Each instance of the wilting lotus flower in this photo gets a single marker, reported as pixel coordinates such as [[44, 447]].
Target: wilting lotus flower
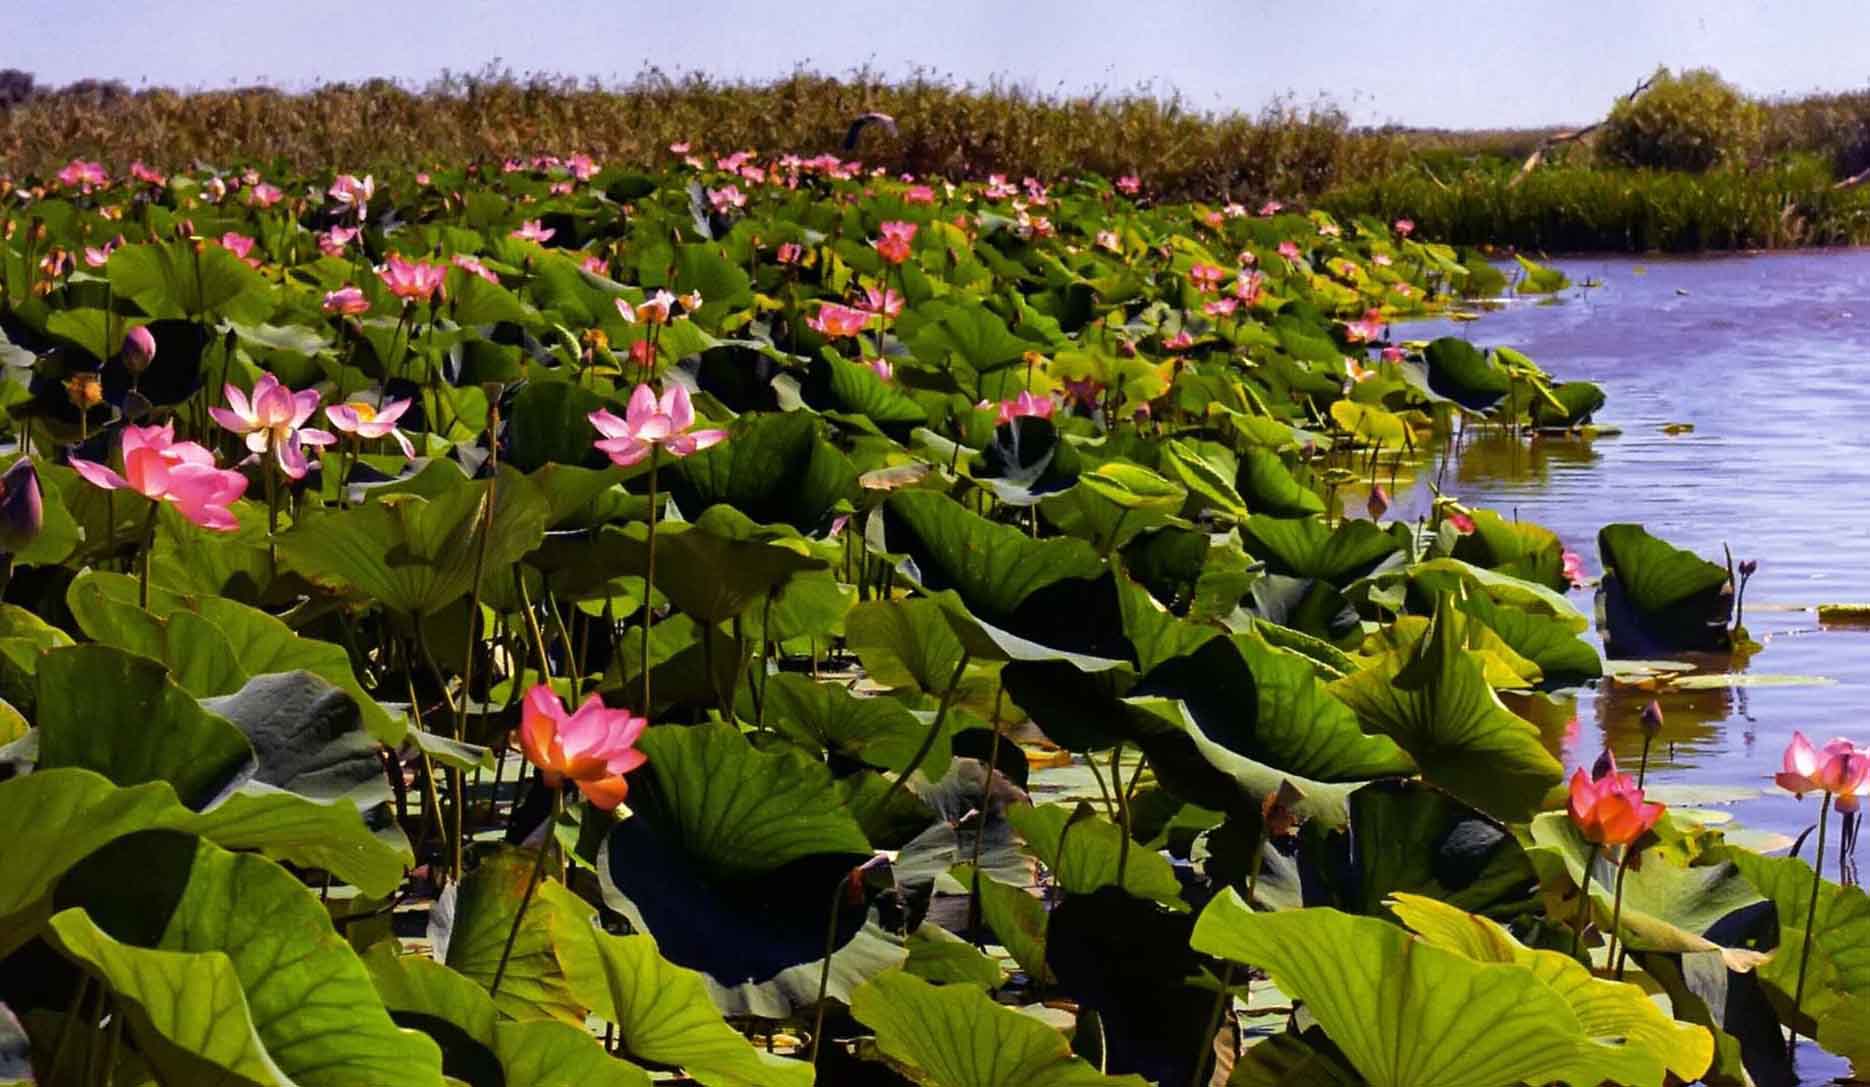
[[648, 422], [532, 231], [22, 507], [274, 419], [893, 245], [1129, 184], [1206, 277], [1610, 810], [883, 303], [183, 474], [347, 190], [346, 302], [1026, 404], [412, 281], [837, 321], [139, 349], [593, 746], [654, 310], [368, 420], [1405, 227]]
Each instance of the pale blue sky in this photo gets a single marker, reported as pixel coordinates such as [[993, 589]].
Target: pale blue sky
[[1471, 63]]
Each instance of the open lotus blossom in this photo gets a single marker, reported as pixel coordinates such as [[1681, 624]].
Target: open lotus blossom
[[1393, 353], [473, 266], [1271, 207], [789, 253], [884, 303], [182, 474], [893, 245], [1206, 277], [241, 246], [1838, 768], [1405, 227], [353, 193], [648, 422], [367, 420], [1290, 251], [1365, 329], [918, 194], [532, 231], [96, 256], [725, 197], [654, 310], [595, 265], [264, 195], [146, 175], [1572, 567], [881, 367], [1609, 809], [412, 280], [1129, 184], [593, 746], [332, 242], [346, 302], [1221, 307], [1025, 404], [83, 175], [837, 321], [1181, 341], [274, 418]]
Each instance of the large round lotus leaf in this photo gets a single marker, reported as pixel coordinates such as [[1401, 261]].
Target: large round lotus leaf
[[775, 469], [1657, 599], [194, 945], [956, 1036]]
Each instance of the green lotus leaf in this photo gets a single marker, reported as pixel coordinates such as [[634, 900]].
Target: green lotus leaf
[[469, 930], [1463, 373], [1083, 851], [1435, 702], [194, 944], [992, 567], [1656, 598], [1632, 1041], [547, 424], [956, 1036], [939, 956], [1544, 641], [774, 468], [1270, 487], [1016, 917], [879, 731], [663, 1013], [189, 279], [1447, 574], [1203, 478], [1305, 547], [1133, 487], [856, 388], [1839, 970]]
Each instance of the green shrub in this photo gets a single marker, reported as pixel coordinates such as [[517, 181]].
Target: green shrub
[[1693, 121]]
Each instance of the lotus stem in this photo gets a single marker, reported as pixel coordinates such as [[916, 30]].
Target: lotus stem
[[1616, 911], [824, 974], [1642, 765], [1123, 812], [480, 565], [1584, 904], [1214, 1024], [532, 884], [1811, 917], [649, 573], [149, 545], [766, 642], [455, 831], [532, 625], [928, 741], [980, 829]]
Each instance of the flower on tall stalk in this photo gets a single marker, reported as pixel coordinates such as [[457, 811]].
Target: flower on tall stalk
[[273, 419], [352, 193], [264, 195], [346, 301], [1838, 768], [241, 246], [1405, 227], [1025, 405], [1609, 809], [533, 231], [893, 245], [1290, 251], [412, 280], [1572, 569], [837, 321], [648, 422], [367, 420], [22, 507], [473, 266], [182, 474], [139, 349], [593, 746]]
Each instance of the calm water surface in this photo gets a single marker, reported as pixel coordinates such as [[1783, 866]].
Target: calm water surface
[[1768, 357]]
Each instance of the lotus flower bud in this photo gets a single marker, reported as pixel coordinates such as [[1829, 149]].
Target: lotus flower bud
[[1379, 503], [1605, 766], [22, 507], [1748, 567], [139, 349], [1652, 718]]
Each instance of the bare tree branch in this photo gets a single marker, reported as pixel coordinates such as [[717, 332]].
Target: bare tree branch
[[1538, 155]]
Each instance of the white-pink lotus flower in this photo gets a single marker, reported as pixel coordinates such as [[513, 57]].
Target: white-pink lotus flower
[[274, 419], [648, 422], [367, 420]]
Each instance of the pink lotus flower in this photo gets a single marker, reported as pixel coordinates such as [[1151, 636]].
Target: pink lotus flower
[[582, 166], [727, 196], [139, 349], [918, 194], [1290, 251], [654, 310], [1212, 220], [1181, 341], [532, 231], [98, 256], [1221, 307], [240, 245], [274, 420], [1206, 277], [1129, 184], [352, 193], [1392, 353], [648, 422], [332, 242], [679, 148], [997, 187], [893, 246], [881, 367], [263, 195], [1610, 809], [789, 253], [1025, 405], [1572, 565], [883, 303], [1462, 523], [368, 420], [1107, 239], [412, 281], [1247, 288], [346, 302], [473, 266], [1381, 260], [595, 265], [182, 474], [1366, 329], [146, 175], [1839, 768], [1271, 207], [1379, 502], [1405, 227], [83, 175], [837, 321], [593, 746]]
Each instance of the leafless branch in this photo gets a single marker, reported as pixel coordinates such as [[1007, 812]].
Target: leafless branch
[[1538, 155]]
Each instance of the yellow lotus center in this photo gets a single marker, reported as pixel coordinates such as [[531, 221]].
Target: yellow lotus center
[[365, 413]]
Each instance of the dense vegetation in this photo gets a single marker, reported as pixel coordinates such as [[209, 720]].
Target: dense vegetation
[[566, 623]]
